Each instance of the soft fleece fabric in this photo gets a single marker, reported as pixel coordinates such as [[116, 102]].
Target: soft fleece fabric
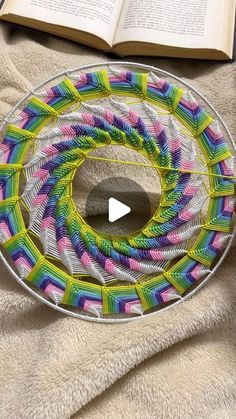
[[181, 364]]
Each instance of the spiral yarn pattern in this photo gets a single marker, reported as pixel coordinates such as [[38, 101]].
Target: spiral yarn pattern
[[48, 142]]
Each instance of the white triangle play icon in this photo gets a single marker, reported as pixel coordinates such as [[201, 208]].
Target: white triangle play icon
[[117, 210]]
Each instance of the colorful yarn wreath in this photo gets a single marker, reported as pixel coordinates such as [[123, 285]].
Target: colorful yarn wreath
[[53, 136]]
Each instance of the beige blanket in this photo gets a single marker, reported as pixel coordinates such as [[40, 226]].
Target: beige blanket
[[180, 364]]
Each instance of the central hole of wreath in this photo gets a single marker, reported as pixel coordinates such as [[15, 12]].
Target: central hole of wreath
[[137, 187]]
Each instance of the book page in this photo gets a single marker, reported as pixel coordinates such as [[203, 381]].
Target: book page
[[99, 17], [178, 23]]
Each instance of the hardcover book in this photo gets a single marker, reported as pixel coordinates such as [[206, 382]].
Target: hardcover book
[[181, 28]]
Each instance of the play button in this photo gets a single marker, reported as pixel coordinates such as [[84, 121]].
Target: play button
[[117, 206], [117, 210]]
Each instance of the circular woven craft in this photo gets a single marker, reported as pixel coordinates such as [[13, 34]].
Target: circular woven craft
[[64, 261]]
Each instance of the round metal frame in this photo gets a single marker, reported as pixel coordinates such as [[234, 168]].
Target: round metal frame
[[188, 294]]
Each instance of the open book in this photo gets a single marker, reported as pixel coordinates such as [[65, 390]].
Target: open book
[[177, 28]]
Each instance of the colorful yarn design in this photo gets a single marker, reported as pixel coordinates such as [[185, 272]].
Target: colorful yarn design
[[52, 137]]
